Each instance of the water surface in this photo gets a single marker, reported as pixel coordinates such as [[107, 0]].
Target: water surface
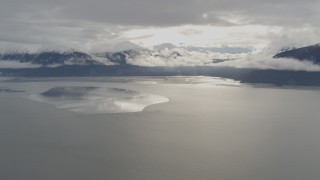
[[205, 131]]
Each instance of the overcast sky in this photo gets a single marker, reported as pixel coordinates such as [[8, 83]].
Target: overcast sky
[[97, 24]]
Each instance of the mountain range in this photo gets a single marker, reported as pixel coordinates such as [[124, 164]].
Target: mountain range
[[164, 60], [126, 53], [48, 58], [160, 55]]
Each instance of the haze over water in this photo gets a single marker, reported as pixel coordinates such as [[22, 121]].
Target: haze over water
[[210, 129]]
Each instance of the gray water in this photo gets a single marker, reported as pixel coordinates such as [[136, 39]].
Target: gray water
[[208, 130]]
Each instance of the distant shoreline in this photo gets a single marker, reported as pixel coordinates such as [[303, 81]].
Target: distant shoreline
[[256, 76]]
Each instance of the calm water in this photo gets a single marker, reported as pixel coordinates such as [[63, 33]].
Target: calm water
[[209, 129]]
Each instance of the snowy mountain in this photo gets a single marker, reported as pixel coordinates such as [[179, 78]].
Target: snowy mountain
[[168, 57], [125, 53], [167, 60]]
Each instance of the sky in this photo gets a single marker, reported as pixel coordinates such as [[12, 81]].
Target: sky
[[96, 25]]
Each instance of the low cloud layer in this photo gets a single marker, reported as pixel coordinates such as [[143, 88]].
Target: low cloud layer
[[267, 62], [179, 57]]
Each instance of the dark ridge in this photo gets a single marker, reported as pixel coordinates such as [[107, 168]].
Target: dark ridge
[[49, 58], [308, 53]]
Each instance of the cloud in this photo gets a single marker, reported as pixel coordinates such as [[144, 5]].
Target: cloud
[[288, 38], [79, 35], [178, 57], [183, 57], [263, 61], [96, 24], [167, 12]]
